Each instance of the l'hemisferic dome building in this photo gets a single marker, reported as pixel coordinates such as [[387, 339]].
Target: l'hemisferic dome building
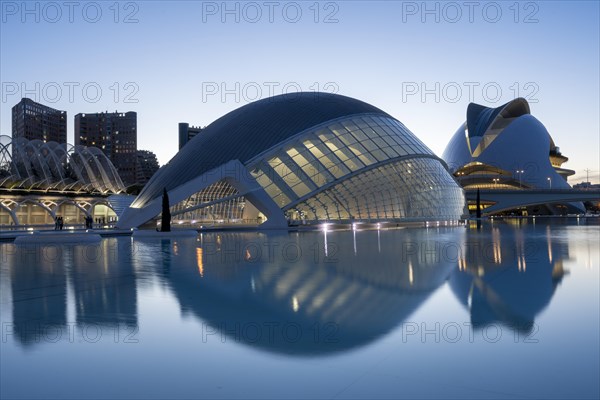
[[302, 158]]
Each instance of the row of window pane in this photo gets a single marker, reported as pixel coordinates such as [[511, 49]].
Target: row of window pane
[[214, 192], [225, 210], [389, 192], [330, 153]]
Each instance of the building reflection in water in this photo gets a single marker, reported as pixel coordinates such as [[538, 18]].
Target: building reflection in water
[[99, 278], [39, 290], [312, 293], [304, 294], [510, 274], [104, 285]]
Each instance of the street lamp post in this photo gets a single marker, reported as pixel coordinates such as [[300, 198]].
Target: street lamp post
[[550, 183], [495, 181], [520, 172]]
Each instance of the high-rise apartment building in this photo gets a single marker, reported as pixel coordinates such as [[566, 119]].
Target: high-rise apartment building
[[187, 132], [31, 120], [147, 165], [116, 135]]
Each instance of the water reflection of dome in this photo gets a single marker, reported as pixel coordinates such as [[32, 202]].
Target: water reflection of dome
[[503, 278], [351, 302]]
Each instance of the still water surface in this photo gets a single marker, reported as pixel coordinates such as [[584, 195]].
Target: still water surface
[[510, 311]]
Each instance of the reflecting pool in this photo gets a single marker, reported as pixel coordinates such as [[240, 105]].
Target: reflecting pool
[[508, 311]]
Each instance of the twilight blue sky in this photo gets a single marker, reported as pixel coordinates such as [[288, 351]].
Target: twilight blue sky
[[194, 61]]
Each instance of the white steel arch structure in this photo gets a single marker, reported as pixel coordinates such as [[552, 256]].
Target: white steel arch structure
[[35, 165]]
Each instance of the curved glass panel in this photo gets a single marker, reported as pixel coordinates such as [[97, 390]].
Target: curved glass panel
[[217, 203], [417, 188], [329, 153]]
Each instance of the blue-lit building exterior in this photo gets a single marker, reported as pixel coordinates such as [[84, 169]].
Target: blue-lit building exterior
[[507, 148], [302, 158]]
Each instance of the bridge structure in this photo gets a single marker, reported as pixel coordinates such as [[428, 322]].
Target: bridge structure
[[504, 200]]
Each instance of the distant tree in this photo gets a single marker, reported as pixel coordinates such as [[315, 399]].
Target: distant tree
[[165, 225]]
